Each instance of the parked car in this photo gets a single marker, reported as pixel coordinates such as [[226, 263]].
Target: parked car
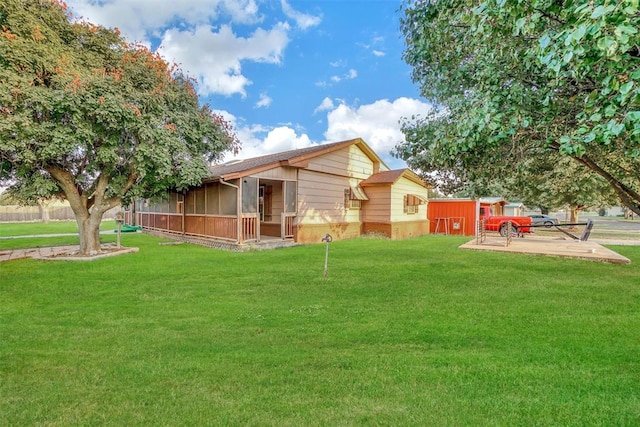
[[546, 220]]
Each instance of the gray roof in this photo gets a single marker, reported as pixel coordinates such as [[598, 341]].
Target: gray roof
[[277, 159]]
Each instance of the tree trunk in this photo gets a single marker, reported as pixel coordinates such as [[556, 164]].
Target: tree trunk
[[89, 234], [44, 212], [574, 216], [132, 206]]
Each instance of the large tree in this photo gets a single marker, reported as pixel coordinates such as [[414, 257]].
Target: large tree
[[516, 79], [554, 181], [87, 117]]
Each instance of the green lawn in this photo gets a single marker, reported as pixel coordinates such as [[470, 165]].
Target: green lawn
[[401, 333], [52, 227]]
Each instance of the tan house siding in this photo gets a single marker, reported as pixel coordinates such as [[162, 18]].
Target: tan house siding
[[285, 173], [313, 233], [321, 187], [321, 199], [377, 208], [400, 189], [348, 161], [409, 229]]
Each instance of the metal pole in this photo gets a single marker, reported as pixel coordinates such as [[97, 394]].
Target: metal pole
[[119, 220], [327, 239]]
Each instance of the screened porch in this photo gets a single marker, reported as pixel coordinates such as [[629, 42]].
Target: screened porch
[[247, 209]]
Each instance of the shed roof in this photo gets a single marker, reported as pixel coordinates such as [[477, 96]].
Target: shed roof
[[293, 158], [492, 200]]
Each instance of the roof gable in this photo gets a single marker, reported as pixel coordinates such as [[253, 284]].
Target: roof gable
[[391, 177], [293, 158]]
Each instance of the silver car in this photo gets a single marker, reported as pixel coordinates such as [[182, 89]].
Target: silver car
[[546, 220]]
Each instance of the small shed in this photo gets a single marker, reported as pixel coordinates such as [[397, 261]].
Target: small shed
[[453, 216], [459, 216]]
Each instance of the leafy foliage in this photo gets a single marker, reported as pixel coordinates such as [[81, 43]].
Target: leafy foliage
[[522, 79], [90, 118]]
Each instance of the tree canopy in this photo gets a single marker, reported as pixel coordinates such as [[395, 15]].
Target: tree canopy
[[88, 117], [515, 80]]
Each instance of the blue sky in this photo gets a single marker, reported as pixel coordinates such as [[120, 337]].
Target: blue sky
[[286, 73]]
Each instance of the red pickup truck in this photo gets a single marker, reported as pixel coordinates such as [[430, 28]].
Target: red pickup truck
[[499, 223]]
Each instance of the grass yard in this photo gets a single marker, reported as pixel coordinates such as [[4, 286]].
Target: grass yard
[[401, 333], [51, 227], [22, 230]]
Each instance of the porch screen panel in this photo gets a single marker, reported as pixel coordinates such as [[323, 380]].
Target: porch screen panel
[[250, 195], [290, 199], [190, 202], [213, 199], [173, 203], [199, 192], [165, 204], [228, 200]]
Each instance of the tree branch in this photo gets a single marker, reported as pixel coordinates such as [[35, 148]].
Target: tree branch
[[628, 196], [65, 180], [549, 16]]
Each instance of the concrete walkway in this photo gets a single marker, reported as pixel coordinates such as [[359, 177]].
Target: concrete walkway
[[31, 236], [62, 253], [57, 252], [46, 252]]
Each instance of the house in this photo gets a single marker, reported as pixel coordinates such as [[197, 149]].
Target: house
[[514, 209], [343, 189]]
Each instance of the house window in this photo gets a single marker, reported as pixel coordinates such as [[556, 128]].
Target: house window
[[412, 203], [353, 204], [353, 197], [290, 196]]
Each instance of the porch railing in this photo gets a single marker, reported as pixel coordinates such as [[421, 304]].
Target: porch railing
[[159, 221], [217, 226], [249, 228], [287, 225]]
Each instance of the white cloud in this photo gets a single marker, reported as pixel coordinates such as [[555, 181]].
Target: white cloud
[[350, 75], [243, 12], [265, 101], [377, 123], [378, 53], [139, 19], [212, 55], [284, 138], [215, 58], [302, 20], [325, 105], [258, 141]]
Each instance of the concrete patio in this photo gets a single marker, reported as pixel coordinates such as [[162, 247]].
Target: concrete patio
[[590, 250]]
